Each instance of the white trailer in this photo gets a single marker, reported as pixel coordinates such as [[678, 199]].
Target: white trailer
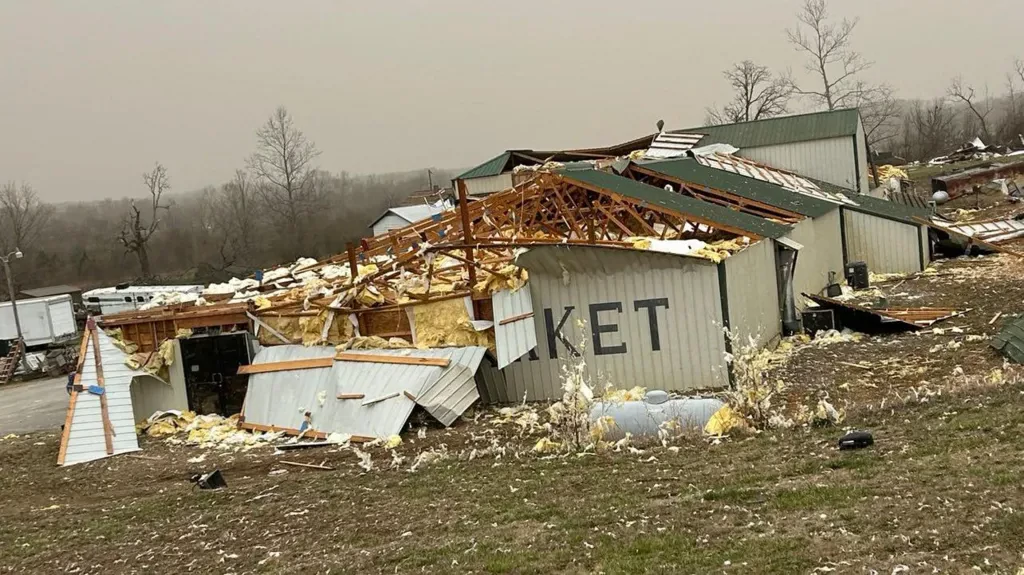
[[110, 300], [44, 320]]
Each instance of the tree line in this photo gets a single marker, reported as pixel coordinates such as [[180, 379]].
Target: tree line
[[278, 206], [834, 78]]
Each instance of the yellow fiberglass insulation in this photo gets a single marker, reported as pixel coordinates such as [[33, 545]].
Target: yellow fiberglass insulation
[[491, 283], [286, 326], [446, 323], [313, 329]]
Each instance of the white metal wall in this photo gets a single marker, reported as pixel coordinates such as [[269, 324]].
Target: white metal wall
[[886, 245], [150, 394], [822, 239], [389, 222], [488, 185], [926, 246], [684, 352], [752, 287], [830, 160], [62, 317]]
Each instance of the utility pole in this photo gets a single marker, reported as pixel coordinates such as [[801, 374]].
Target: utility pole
[[14, 303]]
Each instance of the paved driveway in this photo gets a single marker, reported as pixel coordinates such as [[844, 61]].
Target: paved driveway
[[33, 405]]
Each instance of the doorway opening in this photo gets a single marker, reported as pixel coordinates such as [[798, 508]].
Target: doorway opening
[[211, 364]]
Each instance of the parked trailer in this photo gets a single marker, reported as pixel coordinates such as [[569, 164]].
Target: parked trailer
[[44, 320], [106, 301]]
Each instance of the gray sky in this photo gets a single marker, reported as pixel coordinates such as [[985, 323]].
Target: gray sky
[[94, 92]]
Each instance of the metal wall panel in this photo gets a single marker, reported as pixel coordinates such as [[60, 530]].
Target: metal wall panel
[[685, 352], [281, 398], [886, 245], [926, 250], [389, 222], [488, 185], [513, 339], [752, 287], [823, 252], [85, 438], [830, 160]]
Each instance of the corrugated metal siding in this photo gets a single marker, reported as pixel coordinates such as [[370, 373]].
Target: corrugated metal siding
[[389, 222], [281, 398], [513, 339], [488, 184], [85, 440], [886, 246], [491, 167], [752, 287], [691, 343], [829, 160], [823, 252]]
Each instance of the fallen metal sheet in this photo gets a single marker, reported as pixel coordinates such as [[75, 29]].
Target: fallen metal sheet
[[882, 320], [1010, 341], [672, 145], [788, 180], [992, 231], [282, 398], [515, 332]]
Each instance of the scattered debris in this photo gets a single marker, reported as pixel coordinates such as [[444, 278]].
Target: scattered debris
[[212, 480], [307, 465], [1010, 341]]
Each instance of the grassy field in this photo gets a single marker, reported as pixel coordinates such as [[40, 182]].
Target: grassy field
[[941, 489], [939, 492]]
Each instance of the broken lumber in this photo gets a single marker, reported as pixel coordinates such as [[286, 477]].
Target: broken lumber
[[292, 365], [400, 359], [307, 465], [514, 318], [381, 398], [351, 395]]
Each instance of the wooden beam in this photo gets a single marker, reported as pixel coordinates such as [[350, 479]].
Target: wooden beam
[[108, 428], [353, 267], [467, 230], [293, 365], [351, 395], [399, 359], [381, 398], [69, 417], [519, 317]]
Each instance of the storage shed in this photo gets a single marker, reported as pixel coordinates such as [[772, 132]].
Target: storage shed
[[648, 318], [401, 216]]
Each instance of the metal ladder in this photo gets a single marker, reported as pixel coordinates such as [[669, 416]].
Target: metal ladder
[[10, 363]]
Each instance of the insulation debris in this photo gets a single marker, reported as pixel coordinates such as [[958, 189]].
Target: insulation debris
[[447, 323]]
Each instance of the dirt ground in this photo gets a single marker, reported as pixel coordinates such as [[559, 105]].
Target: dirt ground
[[939, 492]]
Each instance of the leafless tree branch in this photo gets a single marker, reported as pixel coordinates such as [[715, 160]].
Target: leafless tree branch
[[758, 93]]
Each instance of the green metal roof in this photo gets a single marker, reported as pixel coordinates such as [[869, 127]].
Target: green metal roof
[[885, 208], [876, 206], [677, 202], [690, 171], [782, 130], [491, 167]]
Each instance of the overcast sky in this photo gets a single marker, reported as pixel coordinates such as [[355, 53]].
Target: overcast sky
[[94, 92]]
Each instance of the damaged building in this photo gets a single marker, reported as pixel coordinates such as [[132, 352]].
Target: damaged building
[[649, 262]]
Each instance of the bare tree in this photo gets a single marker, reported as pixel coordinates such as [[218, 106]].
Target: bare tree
[[22, 216], [758, 93], [136, 233], [830, 58], [1013, 124], [285, 176], [931, 129], [233, 212], [979, 108]]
